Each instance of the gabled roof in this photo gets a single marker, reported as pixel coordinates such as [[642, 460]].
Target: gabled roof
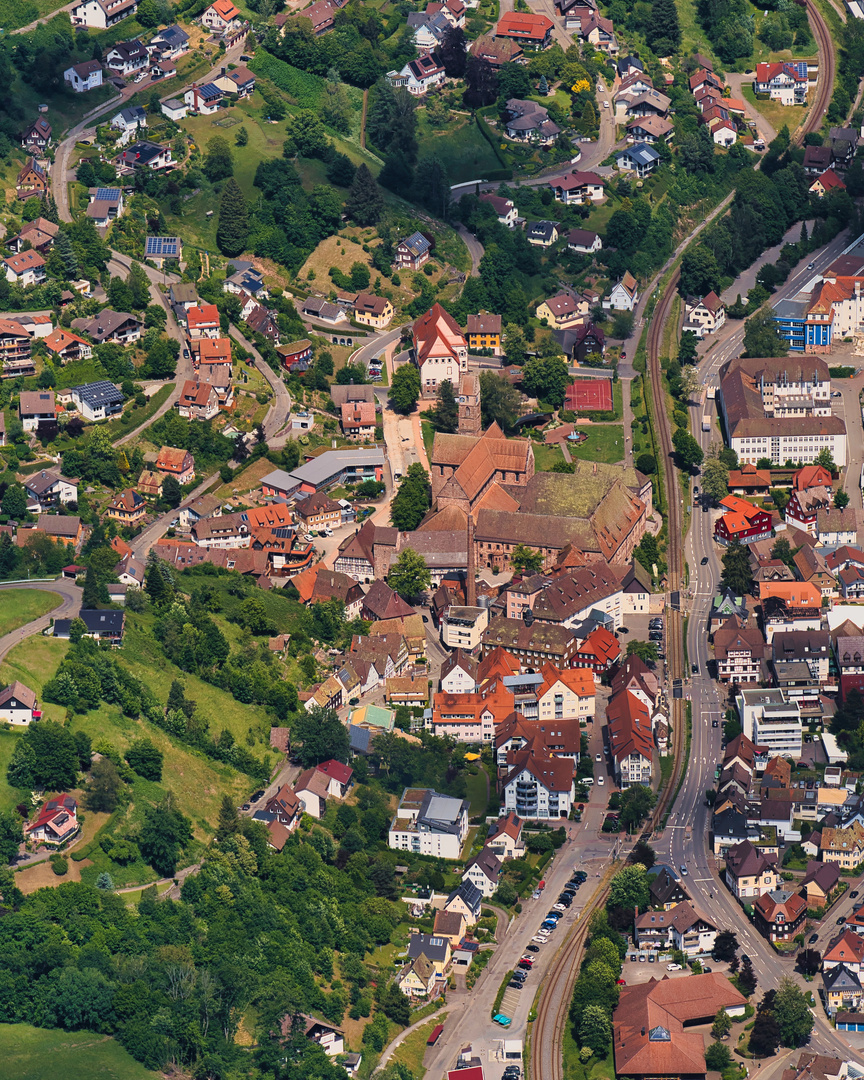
[[848, 947], [488, 863]]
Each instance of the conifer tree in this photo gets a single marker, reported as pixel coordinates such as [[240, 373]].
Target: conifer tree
[[365, 202], [233, 230]]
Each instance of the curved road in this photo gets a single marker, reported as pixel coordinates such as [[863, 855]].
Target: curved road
[[70, 601]]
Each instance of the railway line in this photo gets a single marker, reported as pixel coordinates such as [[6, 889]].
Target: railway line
[[546, 1062]]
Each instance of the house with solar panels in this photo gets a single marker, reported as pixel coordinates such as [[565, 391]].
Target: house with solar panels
[[97, 400], [412, 252], [161, 248], [105, 205], [146, 155], [203, 100]]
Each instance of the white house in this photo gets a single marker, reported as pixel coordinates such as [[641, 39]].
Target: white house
[[505, 209], [640, 158], [429, 824], [724, 133], [222, 16], [420, 75], [85, 76], [128, 122], [624, 295], [18, 704], [203, 100], [783, 82], [704, 316], [578, 188], [459, 673], [584, 242], [483, 871], [174, 109], [26, 268], [127, 58], [681, 928], [539, 787], [100, 14], [504, 838]]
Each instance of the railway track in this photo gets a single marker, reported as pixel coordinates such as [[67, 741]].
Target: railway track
[[554, 1004]]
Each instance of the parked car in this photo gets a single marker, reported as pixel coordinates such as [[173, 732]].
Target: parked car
[[813, 938], [532, 948], [641, 958], [673, 967]]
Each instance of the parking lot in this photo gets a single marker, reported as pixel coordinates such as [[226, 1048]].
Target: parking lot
[[636, 972]]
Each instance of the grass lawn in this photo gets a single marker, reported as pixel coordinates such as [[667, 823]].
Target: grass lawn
[[21, 606], [546, 456], [428, 436], [477, 785], [136, 417], [33, 1053], [461, 147], [413, 1047], [605, 443], [594, 1069], [198, 782], [777, 115], [247, 480]]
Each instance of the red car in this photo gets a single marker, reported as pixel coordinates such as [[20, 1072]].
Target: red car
[[621, 982]]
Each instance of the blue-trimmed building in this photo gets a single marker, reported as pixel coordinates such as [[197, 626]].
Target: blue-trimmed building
[[804, 326]]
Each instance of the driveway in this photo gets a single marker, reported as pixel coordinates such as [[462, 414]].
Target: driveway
[[736, 81]]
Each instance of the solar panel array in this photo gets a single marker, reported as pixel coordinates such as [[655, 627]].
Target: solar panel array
[[108, 194], [165, 246], [800, 66]]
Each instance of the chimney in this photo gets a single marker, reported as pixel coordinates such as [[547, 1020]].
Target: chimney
[[470, 583]]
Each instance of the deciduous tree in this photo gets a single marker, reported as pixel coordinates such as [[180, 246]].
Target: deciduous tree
[[409, 576], [526, 560], [405, 388]]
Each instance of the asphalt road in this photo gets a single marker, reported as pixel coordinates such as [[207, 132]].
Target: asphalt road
[[280, 407], [70, 602]]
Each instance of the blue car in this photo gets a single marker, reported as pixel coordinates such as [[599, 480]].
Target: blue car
[[549, 924]]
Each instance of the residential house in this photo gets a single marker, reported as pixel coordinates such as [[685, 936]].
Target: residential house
[[25, 269], [239, 82], [440, 350], [562, 311], [504, 838], [483, 871], [311, 788], [118, 327], [527, 28], [48, 488], [666, 889], [505, 209], [203, 100], [584, 242], [582, 341], [538, 787], [835, 528], [177, 463], [97, 400], [429, 824], [630, 738], [222, 17], [496, 51], [412, 252], [375, 311], [101, 625], [782, 81], [467, 901], [650, 129], [417, 978], [419, 76], [780, 914], [172, 42], [127, 507], [749, 872], [174, 109], [542, 233], [624, 295], [843, 846], [451, 925], [18, 704], [599, 32], [738, 652], [146, 155], [680, 928], [704, 316], [742, 521], [36, 407], [529, 122], [36, 137], [319, 511], [641, 159], [40, 235], [842, 990], [127, 58], [828, 181], [56, 823], [198, 401], [435, 949], [804, 505], [67, 346], [578, 188], [32, 179], [848, 947], [84, 76], [202, 321], [102, 14]]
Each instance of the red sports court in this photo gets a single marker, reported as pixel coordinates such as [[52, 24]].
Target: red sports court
[[584, 395]]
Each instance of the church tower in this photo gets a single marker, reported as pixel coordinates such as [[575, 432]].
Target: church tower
[[469, 405]]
